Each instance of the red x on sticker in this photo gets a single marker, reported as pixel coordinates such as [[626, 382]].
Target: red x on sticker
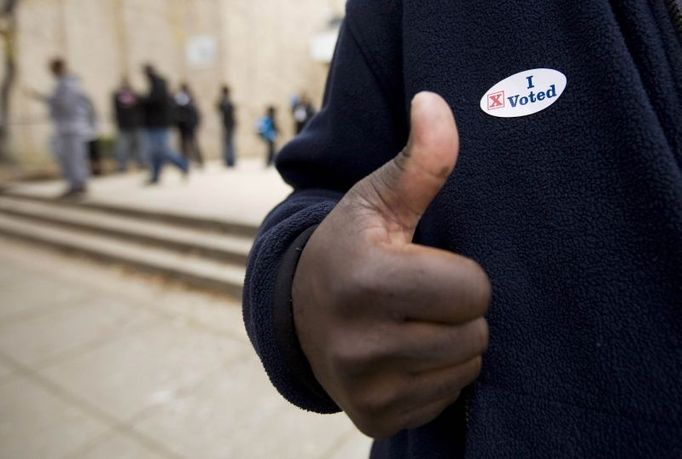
[[496, 100]]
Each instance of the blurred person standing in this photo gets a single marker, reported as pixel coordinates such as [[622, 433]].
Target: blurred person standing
[[268, 131], [128, 121], [70, 114], [188, 119], [303, 111], [226, 109], [158, 119], [92, 138]]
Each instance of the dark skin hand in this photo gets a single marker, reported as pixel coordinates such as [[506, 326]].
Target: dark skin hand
[[393, 330]]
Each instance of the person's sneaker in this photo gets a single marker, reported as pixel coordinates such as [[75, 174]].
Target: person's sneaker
[[151, 182], [73, 193]]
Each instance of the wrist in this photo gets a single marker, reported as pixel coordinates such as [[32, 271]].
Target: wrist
[[283, 321]]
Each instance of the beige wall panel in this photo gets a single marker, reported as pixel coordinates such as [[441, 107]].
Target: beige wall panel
[[263, 53]]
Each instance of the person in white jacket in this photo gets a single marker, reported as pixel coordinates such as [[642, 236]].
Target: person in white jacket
[[70, 113]]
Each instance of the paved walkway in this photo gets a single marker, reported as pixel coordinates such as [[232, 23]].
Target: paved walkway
[[244, 195], [99, 363]]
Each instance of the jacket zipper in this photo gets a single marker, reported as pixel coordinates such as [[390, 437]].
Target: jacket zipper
[[675, 10]]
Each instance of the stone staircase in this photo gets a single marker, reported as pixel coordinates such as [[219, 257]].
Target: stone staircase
[[202, 253]]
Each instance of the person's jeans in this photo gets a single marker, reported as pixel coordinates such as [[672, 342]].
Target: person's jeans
[[72, 155], [190, 146], [160, 152], [270, 159], [94, 153], [229, 152], [130, 141]]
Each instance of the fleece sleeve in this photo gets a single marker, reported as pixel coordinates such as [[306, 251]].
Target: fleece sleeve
[[361, 125]]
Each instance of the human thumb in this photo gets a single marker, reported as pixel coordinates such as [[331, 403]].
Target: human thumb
[[403, 188]]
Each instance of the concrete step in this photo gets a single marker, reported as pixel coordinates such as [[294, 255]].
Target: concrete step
[[208, 244], [192, 270], [144, 214]]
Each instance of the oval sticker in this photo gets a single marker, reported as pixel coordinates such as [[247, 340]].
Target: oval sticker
[[524, 93]]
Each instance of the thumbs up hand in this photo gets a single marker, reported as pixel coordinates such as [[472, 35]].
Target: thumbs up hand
[[392, 330]]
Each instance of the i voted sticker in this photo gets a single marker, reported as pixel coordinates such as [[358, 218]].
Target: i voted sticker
[[524, 93]]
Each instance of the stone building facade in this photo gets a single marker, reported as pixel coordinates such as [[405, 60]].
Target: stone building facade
[[260, 48]]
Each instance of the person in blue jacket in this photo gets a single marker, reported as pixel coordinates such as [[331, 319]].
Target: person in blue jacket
[[482, 256], [269, 132]]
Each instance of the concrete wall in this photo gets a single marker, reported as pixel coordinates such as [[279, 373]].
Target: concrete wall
[[263, 53]]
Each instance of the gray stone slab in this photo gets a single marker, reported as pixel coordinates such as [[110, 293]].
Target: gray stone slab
[[128, 376], [5, 372], [238, 414], [37, 294], [215, 312], [36, 424], [13, 274], [95, 278], [117, 445], [93, 321]]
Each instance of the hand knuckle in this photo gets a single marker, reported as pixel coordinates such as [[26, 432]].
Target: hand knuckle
[[351, 290], [343, 289], [440, 345], [445, 389], [348, 357], [363, 282], [415, 420], [376, 403]]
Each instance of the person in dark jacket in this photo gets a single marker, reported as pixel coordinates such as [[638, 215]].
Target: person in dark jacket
[[544, 225], [128, 115], [188, 119], [92, 138], [229, 122], [158, 119], [303, 111]]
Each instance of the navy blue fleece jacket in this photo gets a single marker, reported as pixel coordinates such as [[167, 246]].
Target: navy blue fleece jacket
[[574, 212]]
